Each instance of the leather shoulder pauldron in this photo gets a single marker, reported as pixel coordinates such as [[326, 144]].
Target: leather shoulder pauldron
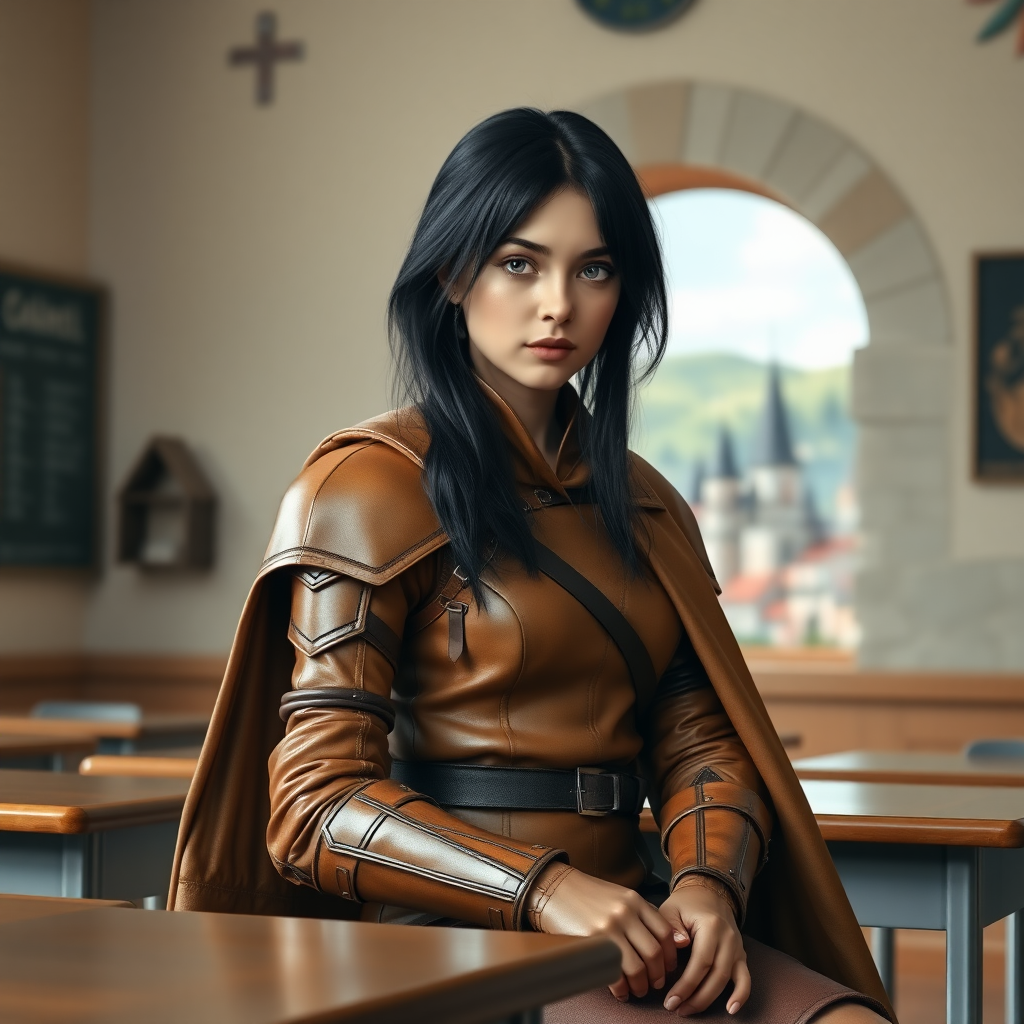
[[358, 509]]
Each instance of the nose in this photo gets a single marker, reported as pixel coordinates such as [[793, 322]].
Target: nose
[[556, 302]]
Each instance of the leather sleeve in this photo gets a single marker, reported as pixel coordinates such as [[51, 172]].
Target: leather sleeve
[[338, 823], [711, 799]]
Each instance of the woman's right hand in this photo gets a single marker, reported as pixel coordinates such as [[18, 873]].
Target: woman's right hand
[[564, 901]]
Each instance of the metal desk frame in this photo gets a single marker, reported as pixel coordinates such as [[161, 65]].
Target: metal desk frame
[[128, 863], [956, 889]]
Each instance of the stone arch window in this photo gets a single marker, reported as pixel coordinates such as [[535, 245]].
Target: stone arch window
[[681, 134]]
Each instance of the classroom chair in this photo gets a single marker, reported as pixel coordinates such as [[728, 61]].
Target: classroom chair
[[88, 710], [995, 748]]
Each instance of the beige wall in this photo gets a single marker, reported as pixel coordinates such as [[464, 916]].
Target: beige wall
[[44, 128], [250, 250]]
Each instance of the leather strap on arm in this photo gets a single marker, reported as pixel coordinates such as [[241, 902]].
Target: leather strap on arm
[[337, 697], [717, 829]]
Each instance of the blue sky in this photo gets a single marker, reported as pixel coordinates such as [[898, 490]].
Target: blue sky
[[748, 275]]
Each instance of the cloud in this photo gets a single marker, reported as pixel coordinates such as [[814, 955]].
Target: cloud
[[780, 240], [704, 310], [753, 277]]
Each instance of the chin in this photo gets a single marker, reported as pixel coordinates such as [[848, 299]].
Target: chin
[[546, 378]]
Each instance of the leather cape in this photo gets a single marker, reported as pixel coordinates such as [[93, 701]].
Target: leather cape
[[372, 530]]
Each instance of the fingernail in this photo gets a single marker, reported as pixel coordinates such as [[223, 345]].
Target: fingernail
[[622, 999], [660, 983], [733, 1007], [672, 1002], [680, 936]]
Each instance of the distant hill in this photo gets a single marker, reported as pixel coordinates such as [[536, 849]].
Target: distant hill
[[681, 409]]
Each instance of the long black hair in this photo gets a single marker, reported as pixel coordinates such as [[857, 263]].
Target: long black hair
[[497, 174]]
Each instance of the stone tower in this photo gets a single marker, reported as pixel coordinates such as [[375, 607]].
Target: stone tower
[[721, 509], [781, 527]]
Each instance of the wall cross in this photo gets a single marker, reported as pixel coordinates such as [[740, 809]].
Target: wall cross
[[264, 55]]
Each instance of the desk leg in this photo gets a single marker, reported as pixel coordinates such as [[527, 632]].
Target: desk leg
[[883, 951], [79, 866], [1014, 978], [963, 937]]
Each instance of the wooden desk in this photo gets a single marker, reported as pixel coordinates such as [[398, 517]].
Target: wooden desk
[[63, 834], [938, 857], [25, 908], [912, 767], [32, 750], [154, 730], [938, 769], [122, 967], [139, 766]]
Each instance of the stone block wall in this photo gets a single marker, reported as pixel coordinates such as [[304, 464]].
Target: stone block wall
[[918, 607]]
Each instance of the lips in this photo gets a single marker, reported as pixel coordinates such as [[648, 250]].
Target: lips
[[563, 343], [551, 350]]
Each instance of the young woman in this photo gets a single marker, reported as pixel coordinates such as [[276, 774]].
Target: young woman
[[493, 579]]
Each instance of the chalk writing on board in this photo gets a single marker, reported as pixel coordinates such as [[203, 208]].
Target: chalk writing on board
[[48, 362]]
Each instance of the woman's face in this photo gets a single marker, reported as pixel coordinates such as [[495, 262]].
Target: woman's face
[[541, 306]]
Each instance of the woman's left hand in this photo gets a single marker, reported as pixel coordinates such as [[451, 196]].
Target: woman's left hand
[[717, 955]]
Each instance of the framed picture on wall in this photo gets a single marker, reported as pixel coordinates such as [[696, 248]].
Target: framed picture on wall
[[999, 367]]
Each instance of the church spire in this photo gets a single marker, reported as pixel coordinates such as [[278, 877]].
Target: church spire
[[772, 444], [723, 463]]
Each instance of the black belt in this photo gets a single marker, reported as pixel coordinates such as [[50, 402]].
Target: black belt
[[590, 791]]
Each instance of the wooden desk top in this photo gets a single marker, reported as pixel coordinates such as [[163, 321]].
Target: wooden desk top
[[25, 908], [121, 967], [34, 744], [913, 767], [65, 802], [888, 812], [150, 725], [139, 766]]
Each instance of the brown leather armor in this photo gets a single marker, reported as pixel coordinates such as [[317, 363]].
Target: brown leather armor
[[526, 677]]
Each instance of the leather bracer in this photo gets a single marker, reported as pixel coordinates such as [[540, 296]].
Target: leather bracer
[[717, 829], [384, 839]]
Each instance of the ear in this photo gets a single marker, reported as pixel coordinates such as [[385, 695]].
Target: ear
[[456, 291]]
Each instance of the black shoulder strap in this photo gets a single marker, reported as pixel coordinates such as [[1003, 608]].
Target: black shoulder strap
[[625, 637]]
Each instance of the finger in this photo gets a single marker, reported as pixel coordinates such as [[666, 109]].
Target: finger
[[709, 989], [729, 954], [620, 989], [650, 950], [635, 971], [702, 959], [680, 933], [664, 932], [741, 983]]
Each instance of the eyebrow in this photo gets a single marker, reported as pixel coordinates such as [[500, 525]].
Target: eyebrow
[[601, 250]]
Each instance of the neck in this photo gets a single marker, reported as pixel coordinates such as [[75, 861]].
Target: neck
[[534, 407]]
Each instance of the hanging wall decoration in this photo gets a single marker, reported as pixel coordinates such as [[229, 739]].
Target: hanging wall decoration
[[167, 509], [635, 15], [1008, 12], [999, 367], [264, 56]]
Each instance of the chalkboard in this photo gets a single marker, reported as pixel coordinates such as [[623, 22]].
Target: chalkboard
[[49, 340]]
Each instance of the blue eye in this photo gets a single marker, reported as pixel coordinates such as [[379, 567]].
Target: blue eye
[[516, 265], [596, 272]]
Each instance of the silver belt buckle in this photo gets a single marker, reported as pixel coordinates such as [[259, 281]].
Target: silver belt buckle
[[616, 793]]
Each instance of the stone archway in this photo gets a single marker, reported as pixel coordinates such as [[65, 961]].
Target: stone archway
[[685, 134]]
